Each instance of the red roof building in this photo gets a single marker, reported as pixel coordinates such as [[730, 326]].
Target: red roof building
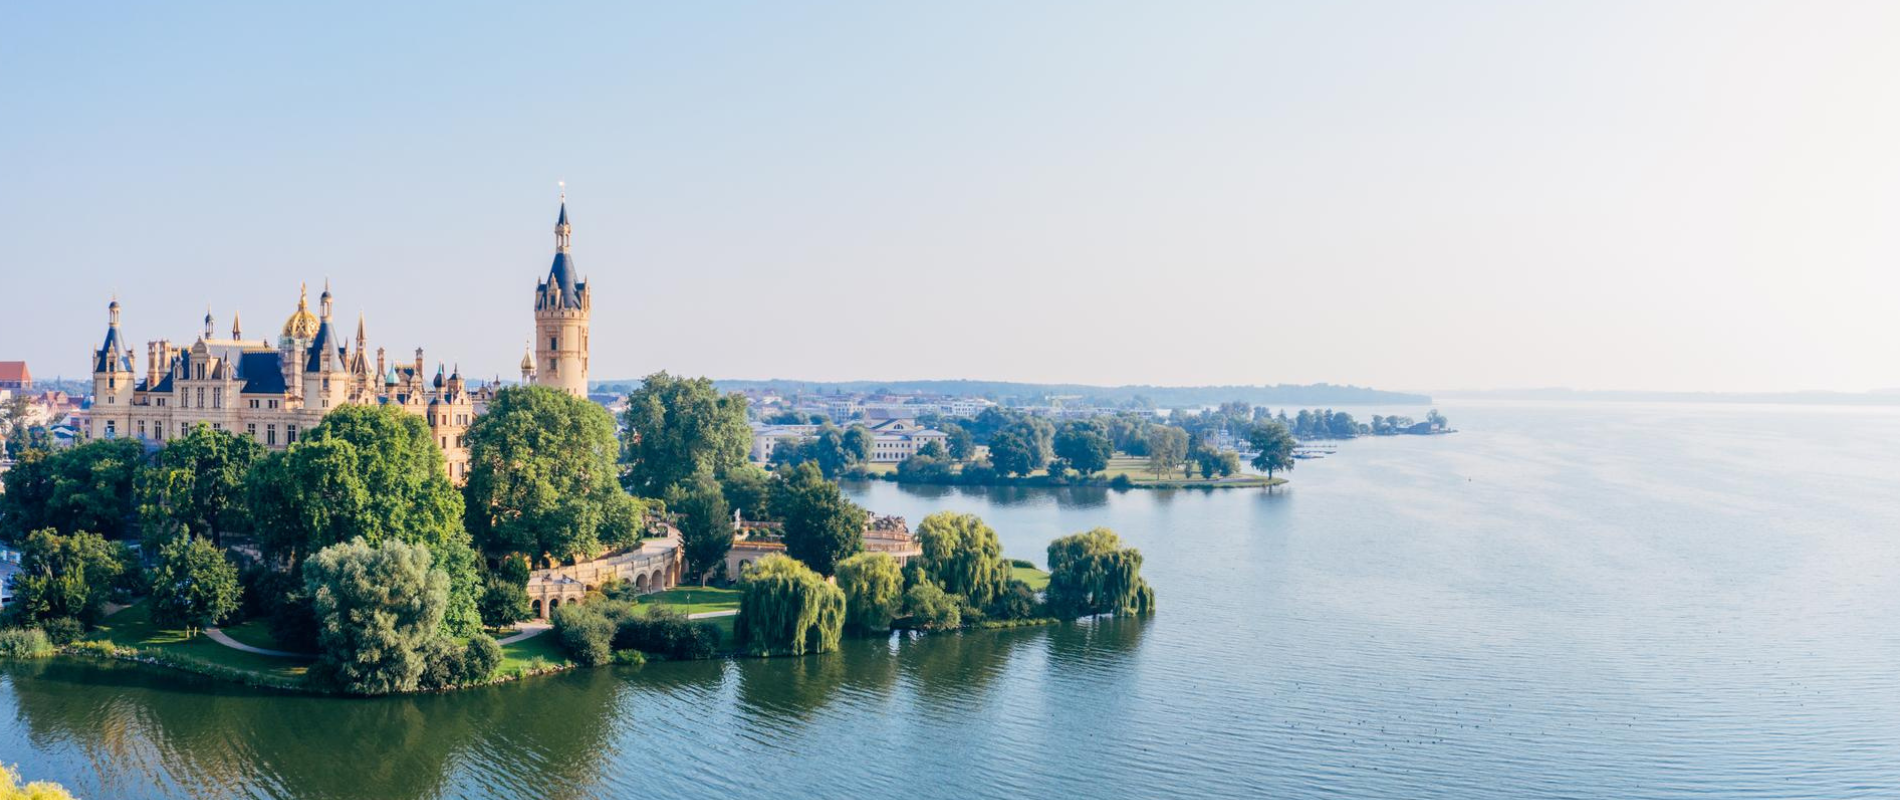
[[14, 375]]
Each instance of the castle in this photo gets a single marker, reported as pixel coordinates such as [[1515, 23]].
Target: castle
[[271, 393]]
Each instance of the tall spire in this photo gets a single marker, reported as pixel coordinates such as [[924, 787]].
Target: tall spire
[[237, 328], [361, 335], [562, 230], [209, 324], [325, 299]]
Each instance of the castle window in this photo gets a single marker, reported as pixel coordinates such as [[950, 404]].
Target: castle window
[[290, 434], [251, 430], [270, 435], [141, 429], [201, 397], [554, 344], [112, 429], [201, 372], [217, 398]]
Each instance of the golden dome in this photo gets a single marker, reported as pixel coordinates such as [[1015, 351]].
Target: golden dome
[[303, 324]]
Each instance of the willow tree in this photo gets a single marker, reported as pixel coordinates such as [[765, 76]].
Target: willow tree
[[787, 609], [873, 587], [963, 555], [1092, 573]]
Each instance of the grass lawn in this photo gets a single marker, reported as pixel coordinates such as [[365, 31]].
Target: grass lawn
[[522, 654], [693, 600], [255, 633], [1037, 579], [133, 627]]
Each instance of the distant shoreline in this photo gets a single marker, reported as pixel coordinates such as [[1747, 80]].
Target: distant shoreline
[[1739, 398]]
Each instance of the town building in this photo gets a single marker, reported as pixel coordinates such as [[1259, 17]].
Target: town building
[[15, 375]]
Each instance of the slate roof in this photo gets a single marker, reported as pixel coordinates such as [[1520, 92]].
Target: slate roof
[[562, 275]]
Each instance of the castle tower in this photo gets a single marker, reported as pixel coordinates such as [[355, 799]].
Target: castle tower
[[562, 304]]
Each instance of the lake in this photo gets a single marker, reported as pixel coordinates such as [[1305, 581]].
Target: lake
[[1561, 600]]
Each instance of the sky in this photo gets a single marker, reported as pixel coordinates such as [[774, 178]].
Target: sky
[[1645, 195]]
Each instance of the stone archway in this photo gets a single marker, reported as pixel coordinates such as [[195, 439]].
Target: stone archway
[[640, 584], [553, 604], [538, 614]]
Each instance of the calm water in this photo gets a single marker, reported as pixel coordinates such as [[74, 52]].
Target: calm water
[[1561, 601]]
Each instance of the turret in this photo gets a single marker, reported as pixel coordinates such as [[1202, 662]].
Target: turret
[[237, 328], [113, 376], [210, 326]]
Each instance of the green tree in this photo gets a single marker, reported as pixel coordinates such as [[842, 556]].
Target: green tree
[[84, 488], [1013, 451], [787, 609], [66, 575], [961, 444], [963, 555], [503, 602], [1167, 448], [542, 478], [705, 523], [306, 498], [820, 525], [933, 449], [873, 587], [1273, 447], [379, 610], [1092, 573], [193, 584], [679, 427], [196, 481], [748, 490], [858, 443], [1084, 446], [373, 472]]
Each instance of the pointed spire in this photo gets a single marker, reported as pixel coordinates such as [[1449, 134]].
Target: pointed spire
[[361, 336], [562, 230], [237, 328]]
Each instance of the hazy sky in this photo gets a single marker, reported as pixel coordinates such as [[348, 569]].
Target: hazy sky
[[1642, 195]]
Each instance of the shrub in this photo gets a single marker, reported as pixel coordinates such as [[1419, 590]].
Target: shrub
[[629, 658], [1022, 562], [63, 630], [931, 608], [24, 643], [585, 633], [1016, 601], [668, 633], [480, 658], [441, 664], [10, 788], [1121, 481]]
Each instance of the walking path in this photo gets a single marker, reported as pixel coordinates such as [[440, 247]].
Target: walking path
[[219, 637], [730, 612], [526, 630]]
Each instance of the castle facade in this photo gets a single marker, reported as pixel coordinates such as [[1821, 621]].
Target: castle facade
[[272, 392]]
